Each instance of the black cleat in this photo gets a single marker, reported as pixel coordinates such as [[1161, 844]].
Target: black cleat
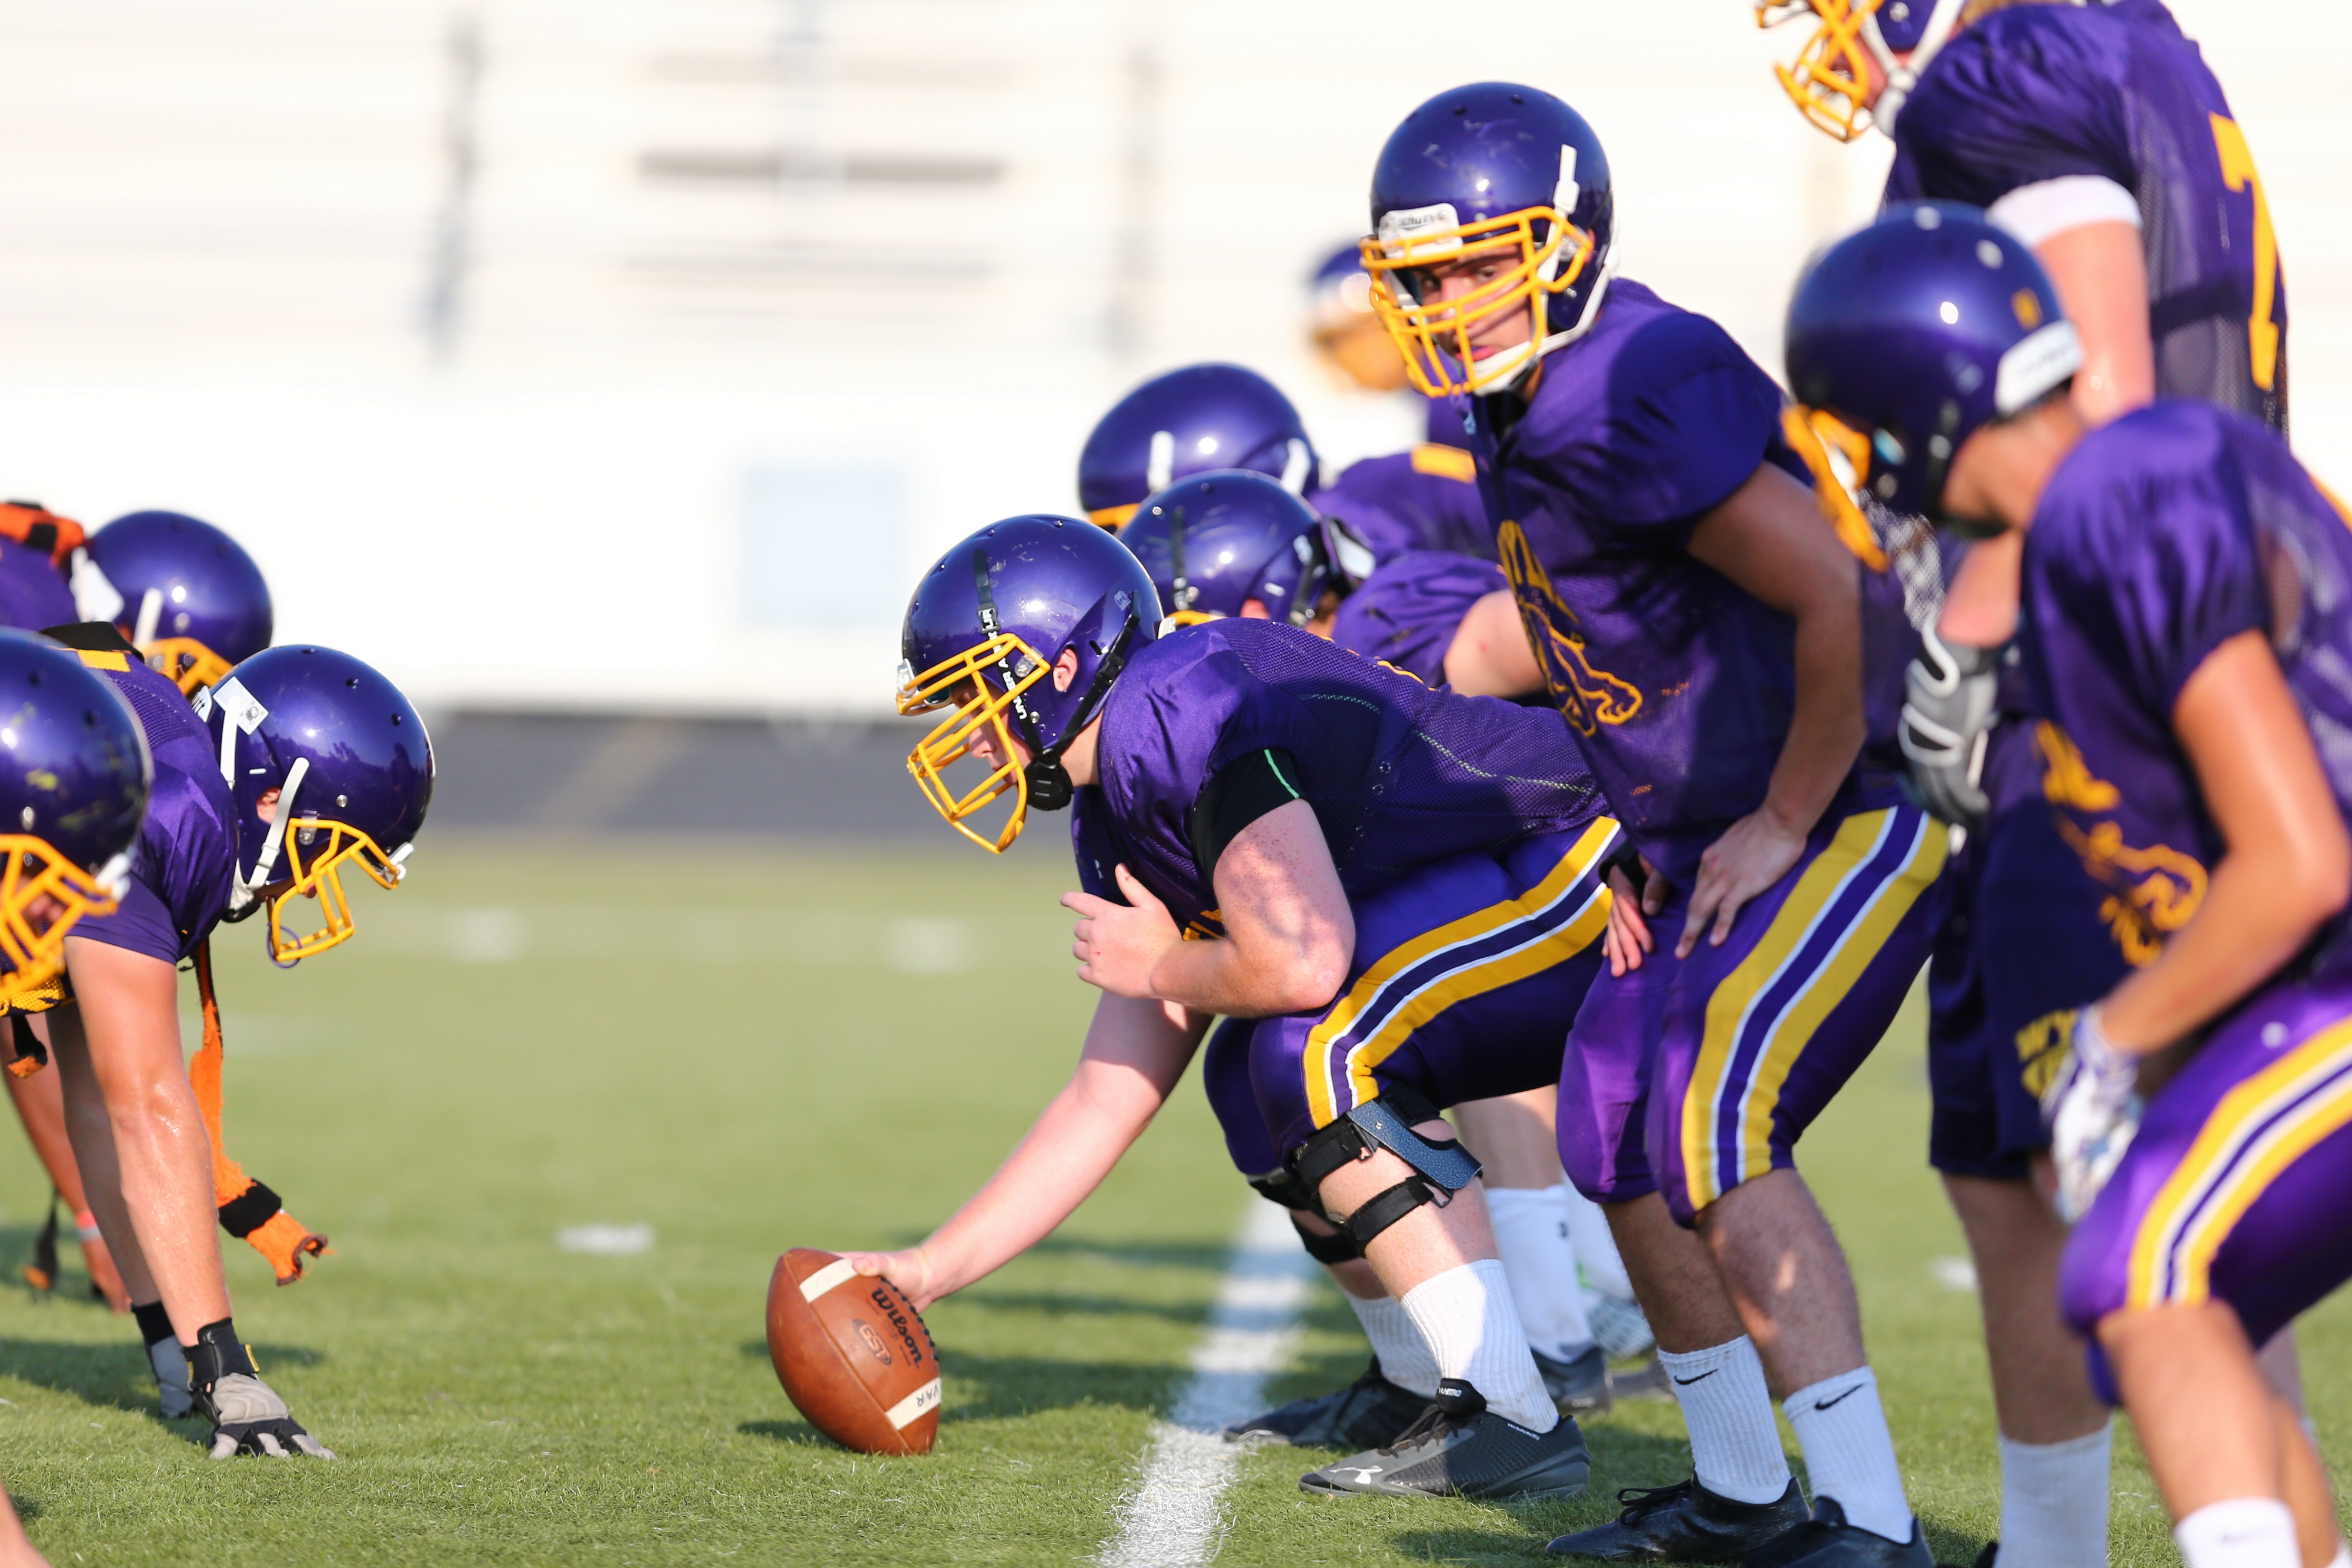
[[1827, 1541], [1367, 1412], [1685, 1523], [1578, 1387], [1461, 1448]]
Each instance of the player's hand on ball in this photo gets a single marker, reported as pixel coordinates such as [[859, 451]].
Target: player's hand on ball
[[1628, 935], [1117, 946], [1753, 854], [2093, 1106], [910, 1271]]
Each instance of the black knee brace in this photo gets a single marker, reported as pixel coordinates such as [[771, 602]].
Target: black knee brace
[[1283, 1186], [1386, 1123], [1337, 1248]]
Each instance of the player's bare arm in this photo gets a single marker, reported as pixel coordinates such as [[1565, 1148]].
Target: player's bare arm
[[1135, 1053], [2100, 270], [2289, 865], [1769, 537], [1489, 656], [1288, 934]]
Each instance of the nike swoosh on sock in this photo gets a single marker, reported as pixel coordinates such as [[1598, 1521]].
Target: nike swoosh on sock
[[1825, 1404], [1686, 1382]]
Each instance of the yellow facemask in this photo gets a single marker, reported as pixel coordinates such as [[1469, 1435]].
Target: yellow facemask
[[949, 741], [188, 664], [315, 852], [35, 958], [1111, 519], [1435, 339], [1838, 457], [1830, 78]]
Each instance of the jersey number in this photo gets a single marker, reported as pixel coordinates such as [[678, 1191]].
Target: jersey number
[[2237, 174]]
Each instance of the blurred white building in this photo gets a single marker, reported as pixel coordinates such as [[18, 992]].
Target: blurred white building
[[636, 353]]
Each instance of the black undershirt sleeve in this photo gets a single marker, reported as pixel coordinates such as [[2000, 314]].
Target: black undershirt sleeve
[[1244, 791]]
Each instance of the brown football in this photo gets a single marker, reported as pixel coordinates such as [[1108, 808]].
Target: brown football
[[853, 1355]]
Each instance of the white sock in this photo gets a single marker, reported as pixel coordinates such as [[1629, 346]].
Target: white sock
[[1531, 1233], [1596, 1248], [2242, 1532], [1404, 1356], [1466, 1315], [1734, 1446], [2053, 1502], [1842, 1430]]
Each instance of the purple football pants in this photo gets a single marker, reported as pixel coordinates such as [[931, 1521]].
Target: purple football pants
[[2238, 1186], [1688, 1077]]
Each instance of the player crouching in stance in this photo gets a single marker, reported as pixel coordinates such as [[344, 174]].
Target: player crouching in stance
[[2183, 618], [1402, 885], [1236, 544], [73, 797]]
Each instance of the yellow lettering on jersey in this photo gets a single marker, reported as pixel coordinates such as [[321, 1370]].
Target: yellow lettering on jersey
[[2237, 174], [2156, 890], [102, 660], [1587, 697], [1445, 463]]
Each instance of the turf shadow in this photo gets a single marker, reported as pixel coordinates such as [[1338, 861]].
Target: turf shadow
[[1620, 1459], [996, 1388], [117, 1375]]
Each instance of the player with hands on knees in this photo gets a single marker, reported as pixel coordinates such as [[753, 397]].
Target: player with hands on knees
[[2184, 614], [1399, 886]]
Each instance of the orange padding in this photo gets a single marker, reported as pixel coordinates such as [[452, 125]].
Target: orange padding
[[281, 1238], [29, 522]]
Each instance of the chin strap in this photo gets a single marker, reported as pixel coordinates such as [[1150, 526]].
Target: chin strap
[[248, 1209], [1047, 781]]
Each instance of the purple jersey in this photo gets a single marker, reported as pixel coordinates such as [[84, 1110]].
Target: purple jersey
[[33, 593], [1399, 776], [2160, 537], [1679, 684], [186, 855], [1407, 612], [1426, 499], [2086, 93]]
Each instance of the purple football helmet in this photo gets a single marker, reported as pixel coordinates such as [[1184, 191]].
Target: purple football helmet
[[33, 592], [1829, 80], [185, 595], [1489, 173], [1916, 330], [327, 763], [1190, 422], [1214, 542], [987, 625], [71, 798]]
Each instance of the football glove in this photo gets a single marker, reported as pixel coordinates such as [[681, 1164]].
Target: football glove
[[248, 1417], [2093, 1106], [1950, 693]]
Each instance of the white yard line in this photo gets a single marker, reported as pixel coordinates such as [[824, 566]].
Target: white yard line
[[1172, 1520]]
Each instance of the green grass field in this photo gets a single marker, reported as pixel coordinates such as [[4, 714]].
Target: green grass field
[[749, 1049]]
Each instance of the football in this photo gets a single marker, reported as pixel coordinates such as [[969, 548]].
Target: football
[[852, 1354]]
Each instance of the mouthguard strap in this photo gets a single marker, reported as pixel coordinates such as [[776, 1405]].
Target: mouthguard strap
[[991, 623], [249, 1210], [267, 861]]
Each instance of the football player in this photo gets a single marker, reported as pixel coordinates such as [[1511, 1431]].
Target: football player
[[187, 595], [1427, 599], [75, 797], [1237, 544], [2184, 624], [1206, 417], [2098, 135], [1703, 629], [1400, 886]]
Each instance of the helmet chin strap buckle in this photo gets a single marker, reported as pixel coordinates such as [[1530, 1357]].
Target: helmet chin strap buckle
[[1047, 784]]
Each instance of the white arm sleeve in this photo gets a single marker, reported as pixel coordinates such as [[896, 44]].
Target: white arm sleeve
[[2036, 211]]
